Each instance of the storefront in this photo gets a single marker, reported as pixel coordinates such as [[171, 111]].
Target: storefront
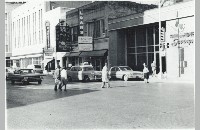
[[134, 40], [95, 58], [180, 54], [92, 21]]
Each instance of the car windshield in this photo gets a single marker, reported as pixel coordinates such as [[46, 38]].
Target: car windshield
[[26, 71], [88, 68], [37, 66], [125, 68]]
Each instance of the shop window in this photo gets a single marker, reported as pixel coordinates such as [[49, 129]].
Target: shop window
[[150, 36], [141, 58], [140, 37], [157, 48], [141, 49], [37, 60], [130, 38], [131, 50], [150, 48], [9, 63], [131, 60]]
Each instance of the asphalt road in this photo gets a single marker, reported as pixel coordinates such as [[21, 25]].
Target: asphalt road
[[131, 104]]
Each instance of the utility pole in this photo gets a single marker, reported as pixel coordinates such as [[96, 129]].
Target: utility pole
[[160, 57], [179, 58]]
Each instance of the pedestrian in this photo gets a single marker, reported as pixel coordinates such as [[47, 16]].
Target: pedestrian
[[153, 67], [57, 77], [105, 76], [64, 79], [146, 74]]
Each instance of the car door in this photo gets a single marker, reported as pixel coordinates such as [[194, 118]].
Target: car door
[[74, 73], [118, 73], [113, 72]]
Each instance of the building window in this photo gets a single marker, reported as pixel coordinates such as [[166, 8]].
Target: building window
[[37, 60], [41, 27], [33, 29], [96, 28], [9, 63], [74, 34]]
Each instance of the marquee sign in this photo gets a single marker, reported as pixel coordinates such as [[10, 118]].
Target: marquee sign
[[80, 22]]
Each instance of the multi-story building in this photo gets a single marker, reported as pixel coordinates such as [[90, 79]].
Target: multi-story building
[[91, 21], [9, 6], [29, 30], [134, 39]]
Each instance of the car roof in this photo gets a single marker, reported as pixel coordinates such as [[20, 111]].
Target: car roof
[[120, 66], [83, 66]]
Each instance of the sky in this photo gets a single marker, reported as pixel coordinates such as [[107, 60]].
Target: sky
[[139, 1]]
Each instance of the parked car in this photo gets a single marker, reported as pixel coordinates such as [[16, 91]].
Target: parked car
[[9, 71], [125, 73], [84, 73], [25, 76], [36, 68]]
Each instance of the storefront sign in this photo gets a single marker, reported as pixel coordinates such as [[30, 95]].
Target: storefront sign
[[63, 43], [180, 33], [80, 22], [85, 47], [47, 24], [182, 39], [84, 39]]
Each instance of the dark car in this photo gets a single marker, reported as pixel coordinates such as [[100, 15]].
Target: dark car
[[25, 76]]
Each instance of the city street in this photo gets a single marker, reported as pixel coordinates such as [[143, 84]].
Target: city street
[[126, 105]]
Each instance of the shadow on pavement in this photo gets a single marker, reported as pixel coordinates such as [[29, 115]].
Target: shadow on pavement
[[22, 97]]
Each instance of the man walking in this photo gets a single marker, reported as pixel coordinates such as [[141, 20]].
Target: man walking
[[57, 77], [64, 80], [105, 77]]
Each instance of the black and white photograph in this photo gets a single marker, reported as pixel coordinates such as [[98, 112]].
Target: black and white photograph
[[99, 64]]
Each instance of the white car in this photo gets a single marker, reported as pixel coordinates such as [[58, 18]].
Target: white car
[[125, 73], [36, 68], [83, 73]]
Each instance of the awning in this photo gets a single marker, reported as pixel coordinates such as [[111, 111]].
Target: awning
[[93, 53], [14, 58], [74, 54], [46, 60], [25, 56], [67, 54]]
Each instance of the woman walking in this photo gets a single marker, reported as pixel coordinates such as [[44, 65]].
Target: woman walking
[[146, 74]]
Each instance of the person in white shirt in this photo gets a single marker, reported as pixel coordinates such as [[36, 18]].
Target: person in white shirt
[[146, 74], [57, 78], [64, 80], [105, 77]]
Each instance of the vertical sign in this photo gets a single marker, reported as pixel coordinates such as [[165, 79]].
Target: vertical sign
[[63, 42], [47, 24], [80, 22], [162, 39]]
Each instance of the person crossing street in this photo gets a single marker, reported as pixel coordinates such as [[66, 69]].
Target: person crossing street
[[57, 77]]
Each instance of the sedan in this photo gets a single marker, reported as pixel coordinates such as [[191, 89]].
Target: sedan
[[125, 73], [25, 76]]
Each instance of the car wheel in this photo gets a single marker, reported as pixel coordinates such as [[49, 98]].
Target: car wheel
[[69, 79], [24, 82], [86, 78], [39, 82], [12, 81], [125, 77]]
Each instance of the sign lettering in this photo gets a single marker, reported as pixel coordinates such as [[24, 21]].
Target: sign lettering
[[80, 22]]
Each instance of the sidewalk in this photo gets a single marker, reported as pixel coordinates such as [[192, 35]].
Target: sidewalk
[[169, 80]]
